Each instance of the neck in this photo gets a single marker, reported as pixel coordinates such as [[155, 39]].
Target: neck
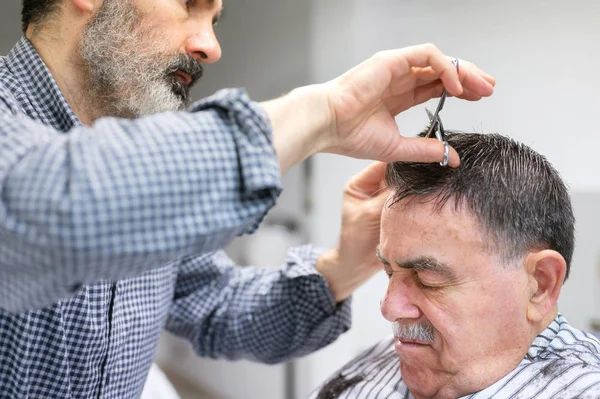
[[545, 322], [60, 52]]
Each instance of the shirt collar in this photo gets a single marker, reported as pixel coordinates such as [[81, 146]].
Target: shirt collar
[[540, 343], [45, 99]]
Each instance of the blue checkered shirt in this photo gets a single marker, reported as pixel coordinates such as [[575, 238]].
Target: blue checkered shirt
[[110, 233]]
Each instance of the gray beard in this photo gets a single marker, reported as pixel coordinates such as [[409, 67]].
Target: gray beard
[[124, 78]]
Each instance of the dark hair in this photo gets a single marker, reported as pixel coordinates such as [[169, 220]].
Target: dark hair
[[34, 11], [517, 196]]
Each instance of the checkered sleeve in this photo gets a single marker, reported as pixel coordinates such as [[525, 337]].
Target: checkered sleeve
[[262, 314], [122, 197]]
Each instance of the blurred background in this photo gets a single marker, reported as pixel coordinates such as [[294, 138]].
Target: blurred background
[[546, 58]]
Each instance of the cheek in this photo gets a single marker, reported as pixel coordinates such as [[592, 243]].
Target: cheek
[[490, 314], [167, 23]]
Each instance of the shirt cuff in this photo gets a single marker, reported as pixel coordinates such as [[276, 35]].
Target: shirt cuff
[[253, 136], [301, 263]]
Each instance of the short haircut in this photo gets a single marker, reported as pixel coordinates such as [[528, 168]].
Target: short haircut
[[518, 198]]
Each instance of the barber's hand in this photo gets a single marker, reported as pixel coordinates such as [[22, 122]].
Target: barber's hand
[[364, 101], [353, 115], [354, 261]]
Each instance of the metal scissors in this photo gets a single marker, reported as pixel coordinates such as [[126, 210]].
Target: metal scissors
[[436, 125]]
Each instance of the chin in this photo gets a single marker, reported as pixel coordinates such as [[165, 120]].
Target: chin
[[424, 391], [421, 381]]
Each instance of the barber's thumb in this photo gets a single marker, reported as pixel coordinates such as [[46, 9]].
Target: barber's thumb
[[425, 150], [369, 180]]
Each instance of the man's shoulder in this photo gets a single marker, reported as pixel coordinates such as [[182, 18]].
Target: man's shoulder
[[569, 350], [573, 345], [566, 364], [568, 377]]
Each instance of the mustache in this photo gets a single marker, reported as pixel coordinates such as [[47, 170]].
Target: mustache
[[187, 64], [416, 331]]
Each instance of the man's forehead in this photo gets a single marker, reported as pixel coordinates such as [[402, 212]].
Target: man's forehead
[[429, 215], [413, 229]]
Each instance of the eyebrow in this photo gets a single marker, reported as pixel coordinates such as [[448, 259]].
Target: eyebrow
[[423, 263]]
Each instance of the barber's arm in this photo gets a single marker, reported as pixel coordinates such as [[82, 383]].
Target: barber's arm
[[266, 315], [273, 315], [122, 197]]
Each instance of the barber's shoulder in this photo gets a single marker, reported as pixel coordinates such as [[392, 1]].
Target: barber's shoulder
[[9, 92]]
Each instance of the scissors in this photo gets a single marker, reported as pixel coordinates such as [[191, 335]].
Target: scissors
[[436, 125]]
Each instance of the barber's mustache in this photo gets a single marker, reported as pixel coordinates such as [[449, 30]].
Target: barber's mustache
[[413, 331], [187, 64]]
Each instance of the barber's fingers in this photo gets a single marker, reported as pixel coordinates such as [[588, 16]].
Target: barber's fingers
[[489, 78], [469, 70], [425, 84], [431, 90], [426, 55], [470, 96], [369, 181], [476, 81], [421, 94], [417, 149]]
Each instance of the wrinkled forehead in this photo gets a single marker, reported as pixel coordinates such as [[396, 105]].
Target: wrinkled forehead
[[422, 222]]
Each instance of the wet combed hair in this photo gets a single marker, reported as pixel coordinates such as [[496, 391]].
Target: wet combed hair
[[516, 195], [34, 11]]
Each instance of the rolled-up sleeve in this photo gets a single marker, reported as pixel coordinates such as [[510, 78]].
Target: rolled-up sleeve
[[124, 196], [262, 314]]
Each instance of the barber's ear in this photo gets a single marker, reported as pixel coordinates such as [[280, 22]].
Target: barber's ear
[[546, 270], [87, 6]]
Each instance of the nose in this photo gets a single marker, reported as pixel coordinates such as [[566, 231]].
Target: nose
[[399, 300], [204, 46]]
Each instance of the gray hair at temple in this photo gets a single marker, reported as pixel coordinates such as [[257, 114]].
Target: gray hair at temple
[[516, 195]]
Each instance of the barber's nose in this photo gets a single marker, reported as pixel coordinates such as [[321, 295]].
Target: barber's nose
[[204, 46], [399, 299]]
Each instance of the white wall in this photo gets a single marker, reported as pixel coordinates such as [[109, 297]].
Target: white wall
[[545, 56]]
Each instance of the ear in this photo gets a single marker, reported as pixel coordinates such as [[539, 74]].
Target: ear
[[86, 6], [546, 271]]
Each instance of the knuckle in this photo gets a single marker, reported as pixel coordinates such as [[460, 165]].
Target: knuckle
[[430, 47]]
